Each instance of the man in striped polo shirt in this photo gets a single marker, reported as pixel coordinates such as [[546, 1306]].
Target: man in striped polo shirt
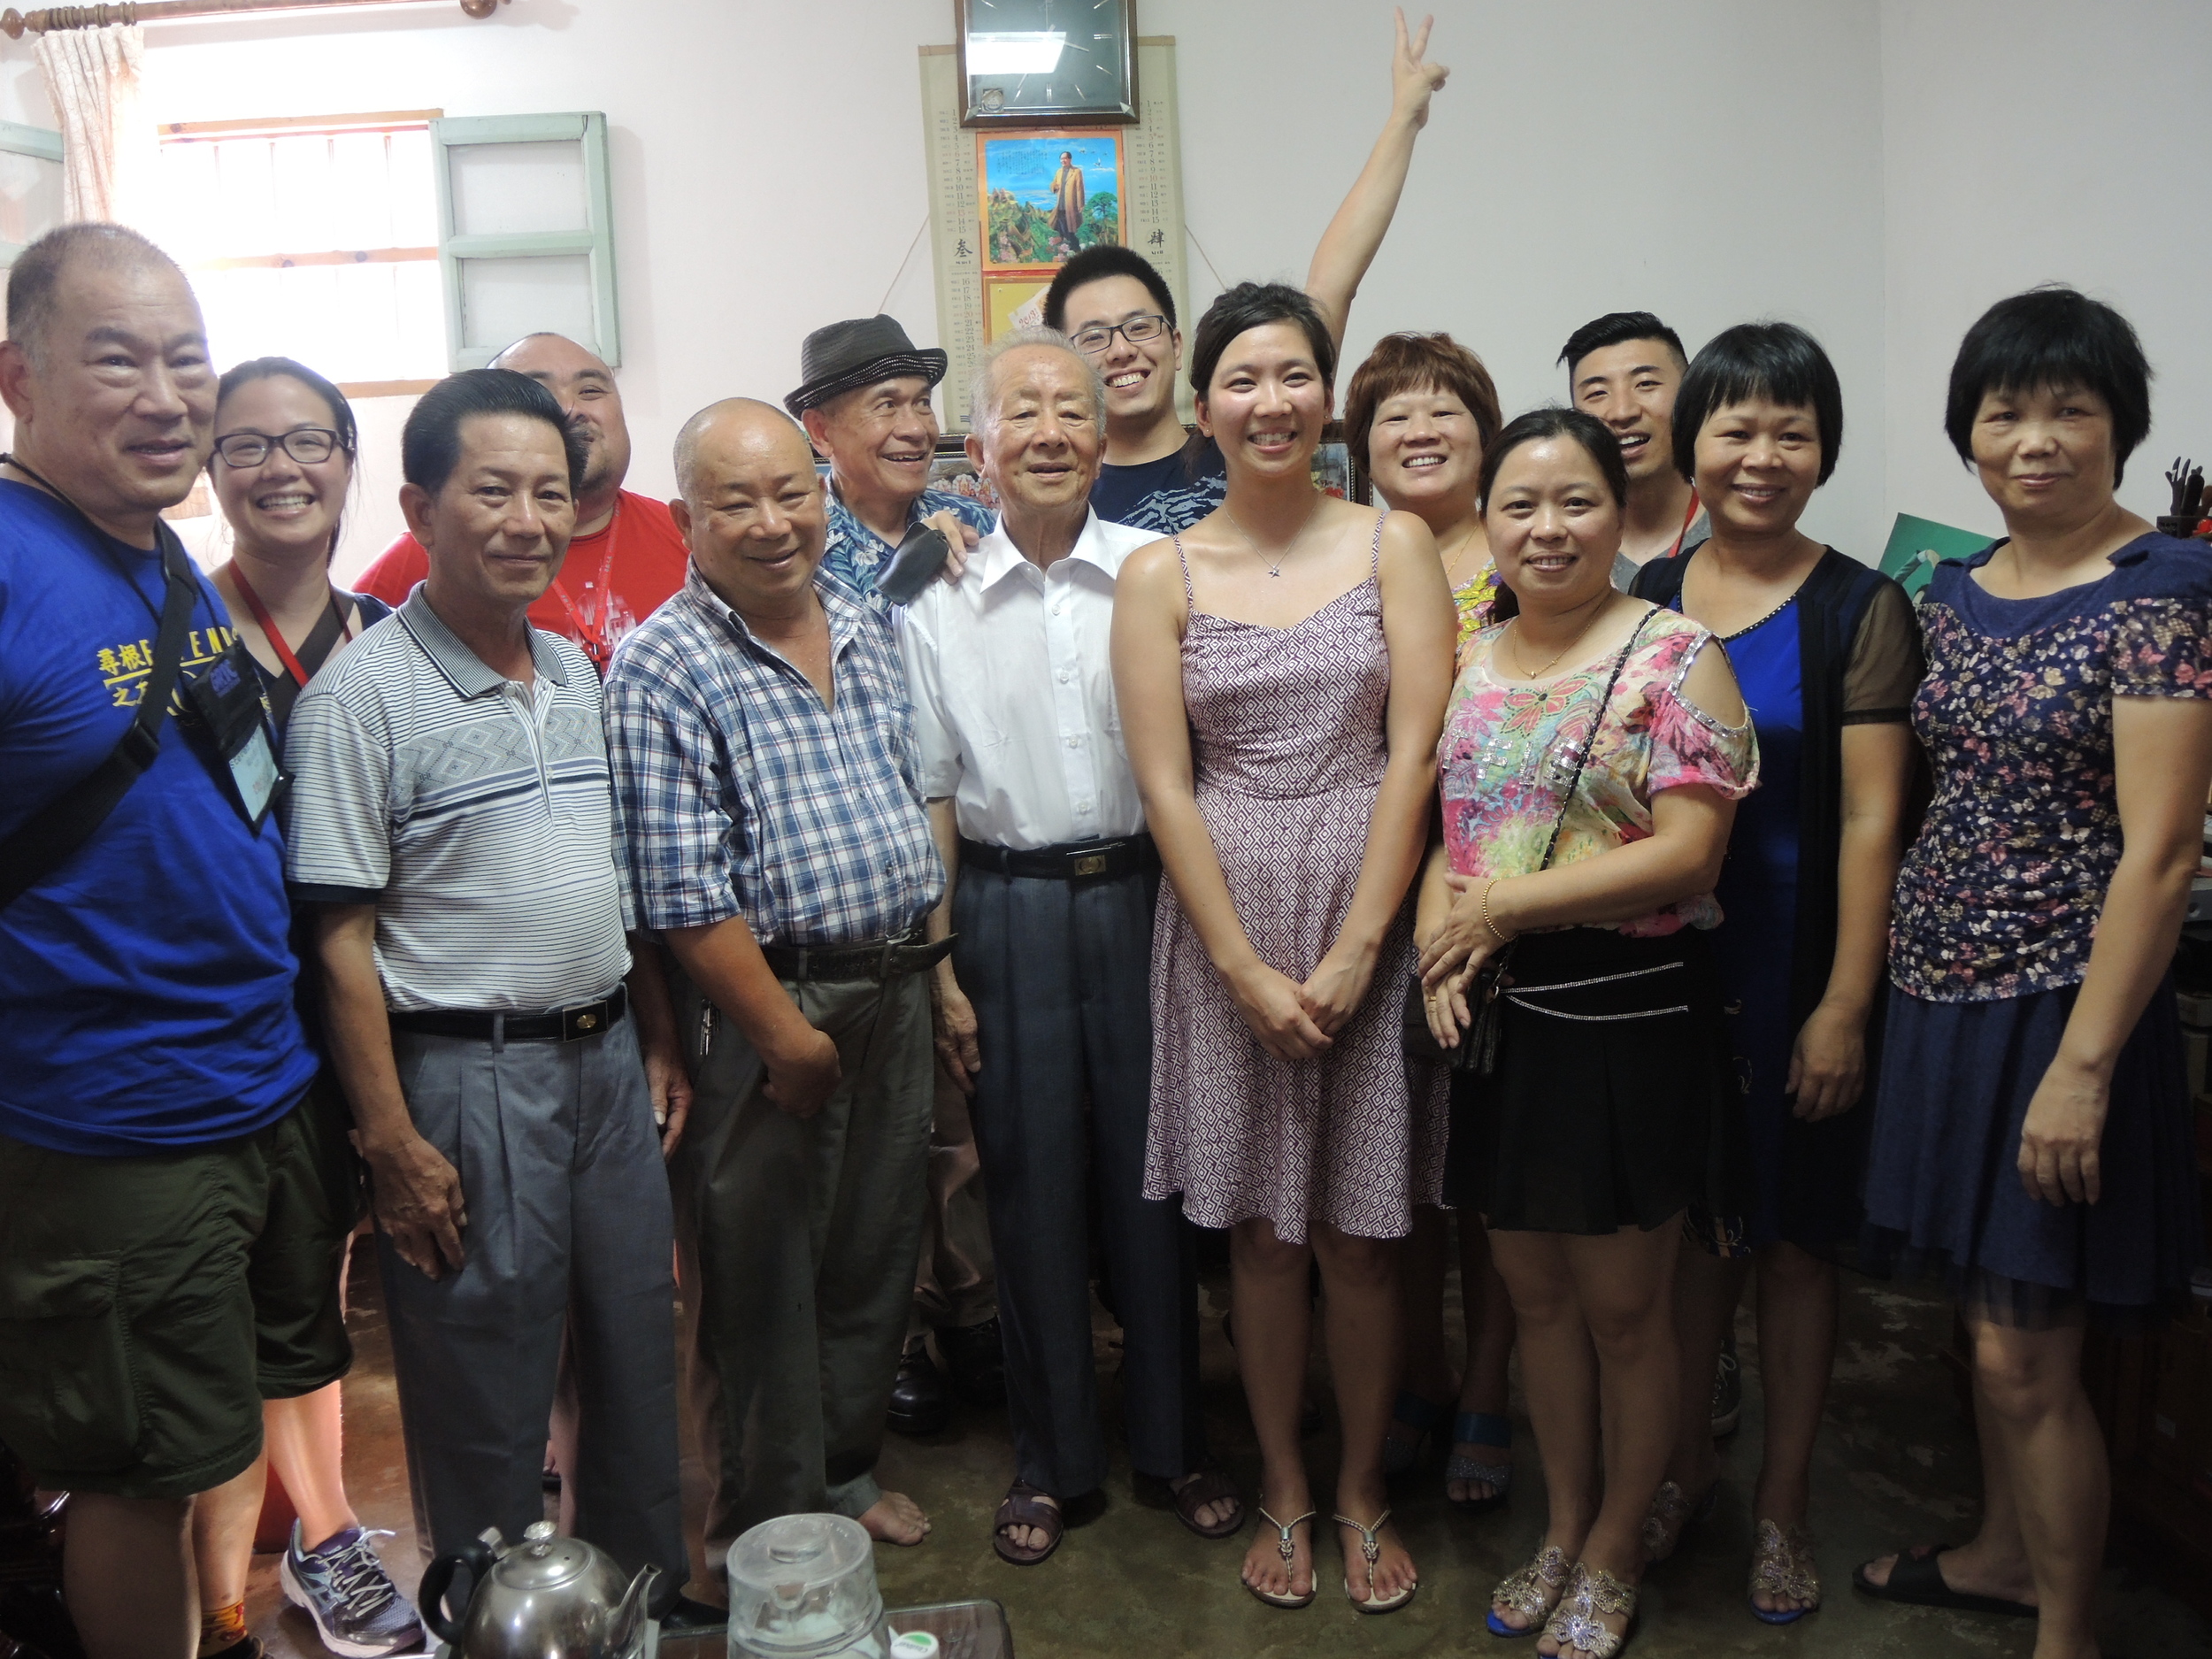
[[451, 813]]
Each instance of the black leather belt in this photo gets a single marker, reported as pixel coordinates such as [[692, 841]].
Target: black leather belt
[[880, 959], [585, 1019], [1080, 861]]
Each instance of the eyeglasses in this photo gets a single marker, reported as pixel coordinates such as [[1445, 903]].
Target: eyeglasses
[[1136, 331], [305, 444]]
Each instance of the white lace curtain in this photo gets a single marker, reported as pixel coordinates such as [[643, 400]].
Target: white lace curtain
[[108, 151]]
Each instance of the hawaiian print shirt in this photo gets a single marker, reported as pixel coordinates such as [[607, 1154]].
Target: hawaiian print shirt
[[2000, 895], [1509, 752], [854, 553]]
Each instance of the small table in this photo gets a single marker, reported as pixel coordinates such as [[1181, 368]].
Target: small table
[[963, 1629]]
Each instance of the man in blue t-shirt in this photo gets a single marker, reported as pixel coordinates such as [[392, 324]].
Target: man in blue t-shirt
[[171, 1216]]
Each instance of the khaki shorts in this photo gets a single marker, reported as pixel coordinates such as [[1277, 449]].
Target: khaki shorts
[[148, 1305]]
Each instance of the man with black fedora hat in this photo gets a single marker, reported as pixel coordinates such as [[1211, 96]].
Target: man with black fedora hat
[[866, 409], [865, 405]]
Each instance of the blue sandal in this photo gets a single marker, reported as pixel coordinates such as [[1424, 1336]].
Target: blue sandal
[[1479, 1428]]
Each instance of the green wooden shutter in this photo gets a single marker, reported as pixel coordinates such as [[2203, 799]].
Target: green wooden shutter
[[39, 145], [525, 232]]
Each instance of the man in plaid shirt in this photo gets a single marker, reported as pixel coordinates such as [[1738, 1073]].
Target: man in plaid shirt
[[774, 834]]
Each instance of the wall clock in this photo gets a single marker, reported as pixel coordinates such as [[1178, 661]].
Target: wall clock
[[1047, 63]]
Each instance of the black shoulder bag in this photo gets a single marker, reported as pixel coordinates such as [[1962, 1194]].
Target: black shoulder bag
[[1478, 1049], [38, 847]]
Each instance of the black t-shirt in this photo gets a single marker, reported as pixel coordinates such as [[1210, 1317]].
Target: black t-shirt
[[1167, 495]]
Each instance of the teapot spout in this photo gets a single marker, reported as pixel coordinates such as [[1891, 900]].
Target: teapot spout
[[626, 1624]]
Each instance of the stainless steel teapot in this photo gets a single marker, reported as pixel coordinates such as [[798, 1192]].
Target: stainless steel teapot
[[547, 1597]]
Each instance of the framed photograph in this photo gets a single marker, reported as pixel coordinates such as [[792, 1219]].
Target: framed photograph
[[1046, 63], [1043, 197]]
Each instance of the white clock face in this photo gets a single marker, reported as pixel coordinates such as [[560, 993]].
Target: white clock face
[[1047, 56]]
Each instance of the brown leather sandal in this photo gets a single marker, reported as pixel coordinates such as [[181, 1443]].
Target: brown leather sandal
[[1211, 1485], [1027, 1506]]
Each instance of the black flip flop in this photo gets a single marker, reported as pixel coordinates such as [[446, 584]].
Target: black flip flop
[[1918, 1581]]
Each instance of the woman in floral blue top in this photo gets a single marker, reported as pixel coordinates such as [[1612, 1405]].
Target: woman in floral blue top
[[2031, 1136]]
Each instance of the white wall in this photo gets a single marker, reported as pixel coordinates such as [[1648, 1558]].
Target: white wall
[[1875, 170], [2033, 141]]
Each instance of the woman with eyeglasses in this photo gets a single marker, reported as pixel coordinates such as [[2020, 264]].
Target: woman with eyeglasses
[[284, 447], [283, 463]]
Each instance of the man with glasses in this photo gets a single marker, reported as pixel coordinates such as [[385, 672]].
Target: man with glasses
[[172, 1207], [626, 558]]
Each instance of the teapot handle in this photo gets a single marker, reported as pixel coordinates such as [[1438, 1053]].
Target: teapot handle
[[430, 1599]]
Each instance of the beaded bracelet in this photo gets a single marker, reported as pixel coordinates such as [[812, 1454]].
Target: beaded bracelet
[[1503, 939]]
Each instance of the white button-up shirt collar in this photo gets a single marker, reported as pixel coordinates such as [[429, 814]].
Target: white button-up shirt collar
[[1013, 692]]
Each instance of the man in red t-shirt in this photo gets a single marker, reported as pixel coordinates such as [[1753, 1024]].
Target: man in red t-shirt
[[625, 557]]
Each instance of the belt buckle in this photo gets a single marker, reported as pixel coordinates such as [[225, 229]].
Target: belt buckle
[[585, 1020], [1086, 863]]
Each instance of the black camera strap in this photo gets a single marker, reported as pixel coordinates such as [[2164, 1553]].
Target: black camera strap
[[40, 845]]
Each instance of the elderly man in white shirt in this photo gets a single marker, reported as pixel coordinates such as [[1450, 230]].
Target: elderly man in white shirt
[[1046, 993]]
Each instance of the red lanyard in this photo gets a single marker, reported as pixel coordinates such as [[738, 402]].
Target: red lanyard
[[269, 628], [1689, 519], [591, 636]]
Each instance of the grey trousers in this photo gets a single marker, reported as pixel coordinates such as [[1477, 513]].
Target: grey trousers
[[1059, 973], [569, 1225], [796, 1239]]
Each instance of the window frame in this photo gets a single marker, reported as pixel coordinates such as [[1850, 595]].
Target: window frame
[[39, 144], [596, 240]]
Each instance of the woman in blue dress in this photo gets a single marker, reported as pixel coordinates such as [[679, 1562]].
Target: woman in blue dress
[[1827, 654], [2032, 1134]]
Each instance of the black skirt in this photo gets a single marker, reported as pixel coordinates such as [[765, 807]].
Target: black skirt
[[1614, 1101]]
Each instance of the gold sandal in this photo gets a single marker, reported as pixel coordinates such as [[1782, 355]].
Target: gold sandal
[[1371, 1549], [1524, 1592], [1289, 1550], [1574, 1623], [1782, 1570]]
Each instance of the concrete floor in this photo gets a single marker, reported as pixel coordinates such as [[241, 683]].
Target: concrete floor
[[1895, 1465]]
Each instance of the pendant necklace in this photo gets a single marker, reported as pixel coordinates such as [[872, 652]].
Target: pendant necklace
[[1276, 569], [1564, 650]]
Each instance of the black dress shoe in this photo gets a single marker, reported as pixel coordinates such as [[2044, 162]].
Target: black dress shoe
[[977, 1360], [688, 1617], [918, 1402]]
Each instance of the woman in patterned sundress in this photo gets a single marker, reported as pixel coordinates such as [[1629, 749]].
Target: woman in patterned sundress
[[1592, 756], [1280, 670], [2031, 1138], [1419, 414]]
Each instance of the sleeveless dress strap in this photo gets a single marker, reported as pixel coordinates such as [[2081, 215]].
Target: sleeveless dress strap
[[1374, 551], [1190, 599]]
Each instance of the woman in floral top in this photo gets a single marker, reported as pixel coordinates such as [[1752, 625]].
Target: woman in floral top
[[2031, 1135], [1419, 413], [1581, 1154]]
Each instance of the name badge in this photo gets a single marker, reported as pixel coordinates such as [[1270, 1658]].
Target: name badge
[[226, 700]]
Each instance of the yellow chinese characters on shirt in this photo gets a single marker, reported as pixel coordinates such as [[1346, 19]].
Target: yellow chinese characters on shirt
[[124, 667]]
